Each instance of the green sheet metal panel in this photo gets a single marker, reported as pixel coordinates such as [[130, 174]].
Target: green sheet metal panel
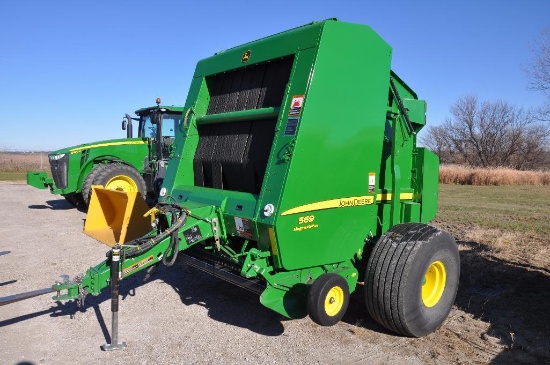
[[265, 49], [338, 143], [427, 164]]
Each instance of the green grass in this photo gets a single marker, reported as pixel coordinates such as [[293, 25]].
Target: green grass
[[520, 209], [10, 176]]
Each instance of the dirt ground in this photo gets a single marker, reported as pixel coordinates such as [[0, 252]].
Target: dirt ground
[[501, 315]]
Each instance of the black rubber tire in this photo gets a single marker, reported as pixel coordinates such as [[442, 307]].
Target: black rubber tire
[[319, 292], [88, 182], [107, 172], [396, 271], [74, 199]]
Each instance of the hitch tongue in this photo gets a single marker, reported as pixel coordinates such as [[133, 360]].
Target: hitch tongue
[[73, 292], [22, 296], [72, 288]]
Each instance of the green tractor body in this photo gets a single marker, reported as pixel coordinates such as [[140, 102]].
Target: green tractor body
[[129, 164], [296, 175]]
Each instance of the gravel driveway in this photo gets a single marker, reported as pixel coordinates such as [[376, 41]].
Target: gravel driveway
[[180, 316]]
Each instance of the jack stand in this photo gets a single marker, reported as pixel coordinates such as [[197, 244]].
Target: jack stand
[[115, 283]]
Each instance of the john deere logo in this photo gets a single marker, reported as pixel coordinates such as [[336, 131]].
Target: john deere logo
[[246, 56]]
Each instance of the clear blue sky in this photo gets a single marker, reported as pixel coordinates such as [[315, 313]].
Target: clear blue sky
[[69, 70]]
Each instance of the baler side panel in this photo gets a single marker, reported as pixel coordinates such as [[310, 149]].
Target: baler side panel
[[344, 113]]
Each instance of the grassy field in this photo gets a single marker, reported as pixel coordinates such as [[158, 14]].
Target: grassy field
[[507, 223], [503, 233], [14, 165], [517, 209]]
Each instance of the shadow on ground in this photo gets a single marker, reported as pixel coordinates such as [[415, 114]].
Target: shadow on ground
[[225, 302], [58, 204], [513, 297]]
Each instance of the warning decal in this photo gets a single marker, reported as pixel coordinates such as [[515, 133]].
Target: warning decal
[[291, 126], [192, 235], [372, 182], [296, 105], [243, 227]]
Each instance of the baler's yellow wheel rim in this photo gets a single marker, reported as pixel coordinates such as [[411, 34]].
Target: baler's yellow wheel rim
[[434, 284], [122, 183], [334, 301]]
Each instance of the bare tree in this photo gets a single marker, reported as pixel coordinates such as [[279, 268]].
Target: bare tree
[[538, 71], [489, 134]]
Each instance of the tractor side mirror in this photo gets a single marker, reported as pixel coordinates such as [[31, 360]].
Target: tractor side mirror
[[127, 125]]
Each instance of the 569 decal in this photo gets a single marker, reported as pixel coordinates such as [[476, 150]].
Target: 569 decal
[[306, 219]]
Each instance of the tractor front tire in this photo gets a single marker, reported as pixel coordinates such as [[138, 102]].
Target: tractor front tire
[[74, 199], [328, 299], [411, 279], [88, 182], [121, 178]]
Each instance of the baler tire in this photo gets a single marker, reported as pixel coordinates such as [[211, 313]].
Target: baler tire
[[412, 278], [328, 299], [88, 182], [122, 178]]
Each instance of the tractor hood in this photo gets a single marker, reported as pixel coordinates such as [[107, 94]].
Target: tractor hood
[[99, 144]]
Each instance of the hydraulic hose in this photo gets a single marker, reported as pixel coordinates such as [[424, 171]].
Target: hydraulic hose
[[401, 106], [174, 240], [142, 244]]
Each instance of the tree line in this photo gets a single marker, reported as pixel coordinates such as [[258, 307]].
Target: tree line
[[496, 133]]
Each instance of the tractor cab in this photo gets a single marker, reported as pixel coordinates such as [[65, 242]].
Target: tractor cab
[[157, 126], [158, 123]]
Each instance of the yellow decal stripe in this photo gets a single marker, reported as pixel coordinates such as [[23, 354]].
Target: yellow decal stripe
[[333, 203], [78, 149], [137, 265], [272, 240], [388, 196], [352, 201]]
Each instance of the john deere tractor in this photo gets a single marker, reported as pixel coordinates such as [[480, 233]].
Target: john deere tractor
[[129, 164]]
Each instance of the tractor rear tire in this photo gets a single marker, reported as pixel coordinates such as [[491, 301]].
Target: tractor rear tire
[[122, 178], [88, 182], [328, 299], [411, 279]]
